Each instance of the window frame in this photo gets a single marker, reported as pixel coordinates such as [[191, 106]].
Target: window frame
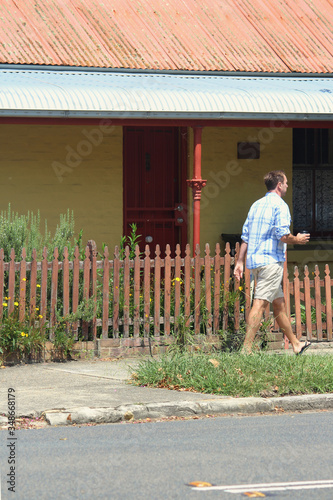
[[313, 166]]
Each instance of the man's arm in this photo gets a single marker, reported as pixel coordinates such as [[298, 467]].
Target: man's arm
[[300, 239], [238, 272]]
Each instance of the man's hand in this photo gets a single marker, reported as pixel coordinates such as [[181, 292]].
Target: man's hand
[[238, 271], [302, 238]]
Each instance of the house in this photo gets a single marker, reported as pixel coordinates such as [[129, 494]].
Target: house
[[167, 115]]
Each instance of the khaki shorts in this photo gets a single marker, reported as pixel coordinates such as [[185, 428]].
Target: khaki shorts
[[269, 282]]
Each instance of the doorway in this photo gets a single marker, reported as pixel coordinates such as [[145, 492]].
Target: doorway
[[155, 186]]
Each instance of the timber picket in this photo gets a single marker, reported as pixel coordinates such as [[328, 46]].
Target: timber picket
[[226, 284], [86, 286], [208, 290], [146, 294], [43, 291], [116, 283], [137, 265], [197, 290], [217, 289], [126, 292], [33, 285], [237, 285], [76, 285], [157, 292], [22, 285], [130, 291], [297, 298], [177, 282], [167, 290], [2, 281], [328, 297], [93, 284], [11, 283], [187, 284], [54, 290], [65, 282], [307, 302], [106, 293], [318, 304]]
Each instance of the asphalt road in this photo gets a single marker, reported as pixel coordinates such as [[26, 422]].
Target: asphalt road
[[158, 460]]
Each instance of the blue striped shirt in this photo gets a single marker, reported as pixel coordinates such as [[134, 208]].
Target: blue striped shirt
[[267, 221]]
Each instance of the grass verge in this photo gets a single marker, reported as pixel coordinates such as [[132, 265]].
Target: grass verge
[[238, 375]]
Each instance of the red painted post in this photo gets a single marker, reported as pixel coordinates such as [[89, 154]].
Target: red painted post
[[197, 183]]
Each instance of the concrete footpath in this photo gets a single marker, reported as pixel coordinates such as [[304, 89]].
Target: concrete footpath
[[80, 392]]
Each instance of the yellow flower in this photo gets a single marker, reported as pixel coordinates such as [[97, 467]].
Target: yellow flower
[[16, 303], [177, 279], [40, 316], [24, 279], [5, 304], [22, 334], [38, 286], [26, 335], [240, 288], [37, 309]]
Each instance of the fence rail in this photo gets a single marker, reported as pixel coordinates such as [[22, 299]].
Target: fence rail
[[143, 295]]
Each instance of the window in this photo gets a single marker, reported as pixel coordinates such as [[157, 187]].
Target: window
[[313, 181]]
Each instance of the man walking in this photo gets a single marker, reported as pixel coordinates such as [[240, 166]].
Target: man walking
[[266, 233]]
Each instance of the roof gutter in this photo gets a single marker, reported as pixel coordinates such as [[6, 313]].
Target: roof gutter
[[89, 69]]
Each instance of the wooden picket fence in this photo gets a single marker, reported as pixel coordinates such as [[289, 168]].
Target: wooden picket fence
[[146, 295]]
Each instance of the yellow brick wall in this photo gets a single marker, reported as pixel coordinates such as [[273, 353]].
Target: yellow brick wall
[[52, 168], [232, 184]]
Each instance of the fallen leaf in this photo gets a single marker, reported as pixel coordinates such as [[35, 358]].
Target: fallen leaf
[[254, 494], [200, 484], [69, 417], [214, 362], [128, 415]]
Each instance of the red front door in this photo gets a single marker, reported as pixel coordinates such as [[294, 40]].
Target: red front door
[[154, 187]]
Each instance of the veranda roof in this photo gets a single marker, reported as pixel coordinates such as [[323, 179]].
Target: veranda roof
[[115, 94]]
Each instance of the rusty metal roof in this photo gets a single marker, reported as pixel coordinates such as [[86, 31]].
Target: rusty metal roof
[[278, 36], [108, 94]]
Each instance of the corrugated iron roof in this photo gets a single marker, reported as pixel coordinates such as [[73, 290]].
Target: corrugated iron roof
[[207, 35], [94, 94]]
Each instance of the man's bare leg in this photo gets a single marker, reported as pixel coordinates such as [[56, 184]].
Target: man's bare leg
[[279, 310], [253, 323]]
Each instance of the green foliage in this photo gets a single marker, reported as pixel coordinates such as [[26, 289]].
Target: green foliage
[[24, 338], [18, 231], [239, 375], [63, 336], [23, 231], [131, 241], [62, 344], [183, 335]]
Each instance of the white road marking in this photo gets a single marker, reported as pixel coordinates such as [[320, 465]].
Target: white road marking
[[242, 488]]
